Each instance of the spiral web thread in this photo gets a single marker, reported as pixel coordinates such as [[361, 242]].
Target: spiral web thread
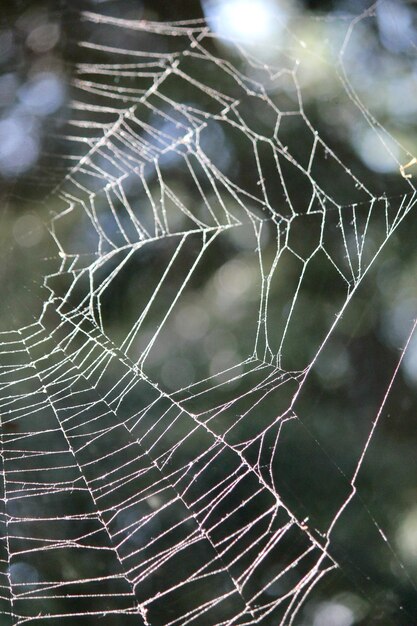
[[131, 500]]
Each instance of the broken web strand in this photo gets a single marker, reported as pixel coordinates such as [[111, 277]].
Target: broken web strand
[[383, 135]]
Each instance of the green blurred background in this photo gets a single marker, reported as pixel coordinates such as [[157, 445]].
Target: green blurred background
[[214, 325]]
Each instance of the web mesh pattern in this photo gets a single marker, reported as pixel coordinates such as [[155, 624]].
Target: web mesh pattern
[[161, 503]]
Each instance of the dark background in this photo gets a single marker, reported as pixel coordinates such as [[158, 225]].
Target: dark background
[[375, 540]]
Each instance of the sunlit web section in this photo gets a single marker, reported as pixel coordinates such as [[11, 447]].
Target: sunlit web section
[[141, 478]]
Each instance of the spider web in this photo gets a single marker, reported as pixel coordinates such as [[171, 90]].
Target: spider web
[[136, 485]]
